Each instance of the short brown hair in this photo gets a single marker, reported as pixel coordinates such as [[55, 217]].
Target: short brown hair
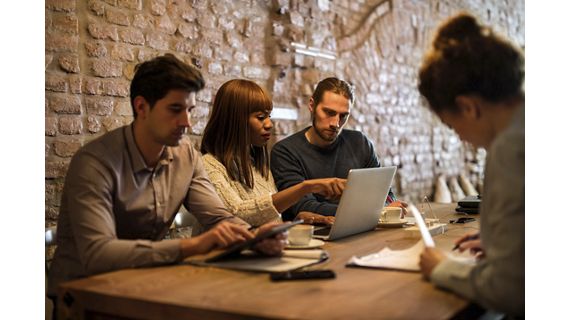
[[333, 85], [226, 136], [153, 79], [468, 58]]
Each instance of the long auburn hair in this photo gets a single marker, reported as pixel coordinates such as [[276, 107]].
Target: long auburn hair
[[226, 136]]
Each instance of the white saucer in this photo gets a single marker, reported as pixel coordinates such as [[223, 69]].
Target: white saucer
[[314, 243], [392, 224]]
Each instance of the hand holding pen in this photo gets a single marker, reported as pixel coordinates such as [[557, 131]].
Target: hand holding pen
[[472, 242]]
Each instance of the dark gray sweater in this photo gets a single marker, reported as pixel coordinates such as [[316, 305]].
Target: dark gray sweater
[[294, 160]]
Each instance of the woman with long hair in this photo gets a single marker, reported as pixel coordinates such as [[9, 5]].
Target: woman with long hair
[[473, 80], [234, 148]]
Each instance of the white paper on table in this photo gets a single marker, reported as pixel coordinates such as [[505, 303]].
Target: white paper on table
[[407, 259]]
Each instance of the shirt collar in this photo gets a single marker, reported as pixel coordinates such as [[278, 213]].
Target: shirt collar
[[136, 156]]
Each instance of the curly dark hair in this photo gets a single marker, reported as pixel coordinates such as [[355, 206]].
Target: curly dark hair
[[467, 58]]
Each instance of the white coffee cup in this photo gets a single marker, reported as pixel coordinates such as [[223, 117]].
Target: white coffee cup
[[391, 214], [301, 235]]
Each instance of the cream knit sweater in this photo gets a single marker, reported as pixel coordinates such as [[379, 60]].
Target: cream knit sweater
[[255, 206]]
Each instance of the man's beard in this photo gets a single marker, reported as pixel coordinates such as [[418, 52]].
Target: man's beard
[[322, 136]]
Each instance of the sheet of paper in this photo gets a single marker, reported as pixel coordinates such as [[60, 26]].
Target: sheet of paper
[[407, 259]]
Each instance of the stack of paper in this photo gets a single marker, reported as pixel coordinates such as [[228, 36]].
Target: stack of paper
[[407, 259]]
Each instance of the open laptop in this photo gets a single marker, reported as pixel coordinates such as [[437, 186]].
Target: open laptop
[[360, 204]]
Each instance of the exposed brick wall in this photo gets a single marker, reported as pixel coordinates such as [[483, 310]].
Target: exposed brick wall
[[92, 47]]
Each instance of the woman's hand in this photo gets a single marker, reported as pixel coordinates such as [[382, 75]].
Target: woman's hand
[[314, 218]]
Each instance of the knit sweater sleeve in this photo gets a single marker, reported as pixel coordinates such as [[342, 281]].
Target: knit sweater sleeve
[[254, 209]]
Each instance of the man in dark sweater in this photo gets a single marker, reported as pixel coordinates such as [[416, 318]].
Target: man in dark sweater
[[323, 150]]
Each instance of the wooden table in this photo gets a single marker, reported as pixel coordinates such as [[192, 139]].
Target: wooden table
[[190, 292]]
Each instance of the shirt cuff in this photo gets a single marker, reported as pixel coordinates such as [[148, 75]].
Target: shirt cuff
[[454, 275], [166, 251]]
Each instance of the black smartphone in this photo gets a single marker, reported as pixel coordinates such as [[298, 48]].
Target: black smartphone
[[302, 275], [462, 220]]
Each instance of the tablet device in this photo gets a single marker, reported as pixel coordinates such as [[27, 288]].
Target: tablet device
[[236, 249]]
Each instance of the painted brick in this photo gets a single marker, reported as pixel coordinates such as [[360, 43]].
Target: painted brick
[[226, 23], [65, 23], [188, 30], [215, 68], [188, 14], [66, 148], [97, 7], [69, 62], [55, 83], [234, 40], [223, 54], [61, 42], [121, 52], [130, 4], [206, 21], [66, 104], [112, 123], [61, 5], [75, 83], [132, 36], [214, 37], [146, 54], [51, 126], [241, 57], [124, 108], [157, 7], [107, 68], [49, 59], [233, 70], [165, 25], [103, 31], [117, 17], [203, 50], [118, 88], [262, 73], [183, 46], [91, 86], [100, 106], [141, 21], [96, 49], [70, 125], [93, 124], [156, 40], [205, 95], [56, 169]]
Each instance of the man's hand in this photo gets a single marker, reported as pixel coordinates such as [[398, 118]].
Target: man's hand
[[224, 234], [471, 242], [271, 246], [429, 259], [330, 188], [315, 218], [400, 204]]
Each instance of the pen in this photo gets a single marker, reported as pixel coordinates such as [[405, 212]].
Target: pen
[[473, 237]]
